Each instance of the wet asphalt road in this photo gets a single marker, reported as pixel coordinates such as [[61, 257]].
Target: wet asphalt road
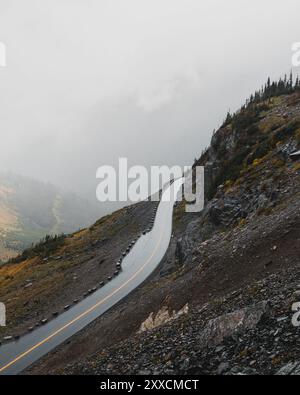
[[137, 266]]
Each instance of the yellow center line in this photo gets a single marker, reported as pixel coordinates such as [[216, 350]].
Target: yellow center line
[[84, 313]]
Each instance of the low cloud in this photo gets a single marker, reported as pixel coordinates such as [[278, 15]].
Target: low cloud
[[89, 81]]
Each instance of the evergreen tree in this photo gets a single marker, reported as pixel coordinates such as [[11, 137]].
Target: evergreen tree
[[291, 84]]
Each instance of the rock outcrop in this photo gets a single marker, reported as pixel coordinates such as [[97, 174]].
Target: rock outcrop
[[162, 317]]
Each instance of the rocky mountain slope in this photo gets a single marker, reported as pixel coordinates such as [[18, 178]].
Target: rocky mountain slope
[[221, 301], [234, 265], [29, 210]]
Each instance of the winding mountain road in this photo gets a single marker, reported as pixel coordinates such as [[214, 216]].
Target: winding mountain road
[[137, 266]]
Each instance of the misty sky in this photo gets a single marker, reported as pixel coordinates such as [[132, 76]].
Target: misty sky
[[88, 81]]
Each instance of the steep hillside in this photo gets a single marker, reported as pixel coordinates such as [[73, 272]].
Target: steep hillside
[[222, 300], [29, 210]]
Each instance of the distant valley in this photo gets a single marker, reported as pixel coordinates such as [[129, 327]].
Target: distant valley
[[29, 210]]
